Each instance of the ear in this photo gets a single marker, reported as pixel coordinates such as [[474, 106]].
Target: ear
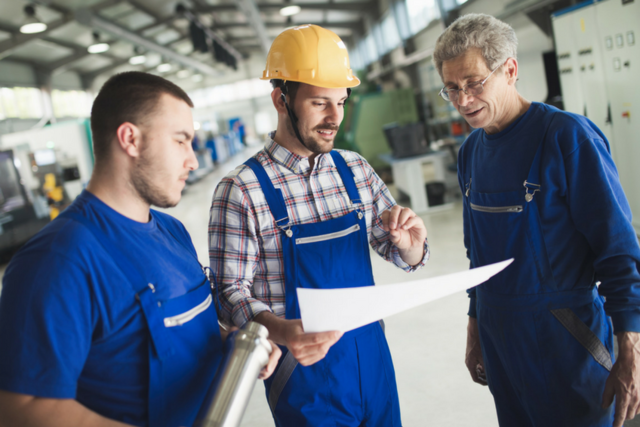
[[129, 138], [278, 103], [511, 70]]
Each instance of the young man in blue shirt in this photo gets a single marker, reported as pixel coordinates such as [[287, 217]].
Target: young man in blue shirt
[[540, 186], [106, 316]]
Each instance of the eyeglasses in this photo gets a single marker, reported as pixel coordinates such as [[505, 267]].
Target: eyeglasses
[[473, 89]]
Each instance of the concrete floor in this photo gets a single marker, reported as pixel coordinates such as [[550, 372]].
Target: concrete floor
[[427, 343]]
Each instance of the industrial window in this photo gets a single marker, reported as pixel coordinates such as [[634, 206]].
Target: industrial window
[[421, 13], [71, 103], [20, 103], [238, 91], [389, 30], [402, 19]]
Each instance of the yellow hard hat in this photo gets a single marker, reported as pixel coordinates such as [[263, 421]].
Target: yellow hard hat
[[310, 54]]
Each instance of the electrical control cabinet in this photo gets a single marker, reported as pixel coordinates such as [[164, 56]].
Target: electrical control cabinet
[[597, 50]]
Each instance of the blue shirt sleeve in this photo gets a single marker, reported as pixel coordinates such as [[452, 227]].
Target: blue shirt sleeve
[[602, 214], [46, 325]]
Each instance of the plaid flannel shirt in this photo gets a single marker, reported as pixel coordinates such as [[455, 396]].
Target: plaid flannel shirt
[[245, 250]]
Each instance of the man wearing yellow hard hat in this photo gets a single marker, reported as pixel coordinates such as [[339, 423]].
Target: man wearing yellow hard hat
[[302, 215]]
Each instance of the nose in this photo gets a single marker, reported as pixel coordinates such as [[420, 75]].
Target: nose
[[334, 114], [191, 161], [463, 99]]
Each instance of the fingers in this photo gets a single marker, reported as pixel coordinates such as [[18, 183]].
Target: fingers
[[620, 413], [476, 369], [310, 348], [396, 217], [631, 412], [632, 406], [274, 357], [607, 396]]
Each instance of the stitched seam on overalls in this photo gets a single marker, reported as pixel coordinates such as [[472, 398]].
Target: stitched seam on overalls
[[540, 358]]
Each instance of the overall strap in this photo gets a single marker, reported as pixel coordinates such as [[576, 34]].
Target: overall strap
[[347, 176], [144, 291], [274, 197]]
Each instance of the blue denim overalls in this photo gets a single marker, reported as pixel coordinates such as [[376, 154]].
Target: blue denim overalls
[[547, 353], [354, 385]]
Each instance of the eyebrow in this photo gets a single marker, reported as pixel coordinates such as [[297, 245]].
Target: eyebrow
[[184, 133], [327, 98], [465, 78]]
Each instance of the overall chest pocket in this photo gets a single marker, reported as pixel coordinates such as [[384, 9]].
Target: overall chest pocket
[[337, 258]]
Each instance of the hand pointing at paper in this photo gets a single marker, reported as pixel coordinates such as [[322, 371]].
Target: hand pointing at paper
[[407, 232]]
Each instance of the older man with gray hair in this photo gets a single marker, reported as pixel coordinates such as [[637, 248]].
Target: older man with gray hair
[[540, 186]]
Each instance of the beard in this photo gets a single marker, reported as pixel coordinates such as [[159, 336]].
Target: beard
[[144, 177], [309, 141]]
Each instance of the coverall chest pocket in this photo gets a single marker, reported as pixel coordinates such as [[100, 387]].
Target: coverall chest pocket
[[503, 226]]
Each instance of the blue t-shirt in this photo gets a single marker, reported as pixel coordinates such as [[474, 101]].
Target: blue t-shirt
[[70, 325], [585, 216]]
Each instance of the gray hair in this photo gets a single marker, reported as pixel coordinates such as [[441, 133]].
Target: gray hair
[[494, 38]]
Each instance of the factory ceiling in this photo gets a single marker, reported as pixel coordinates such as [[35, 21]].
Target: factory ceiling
[[162, 32]]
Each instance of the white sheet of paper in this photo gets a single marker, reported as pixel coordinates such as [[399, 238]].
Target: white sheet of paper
[[349, 308]]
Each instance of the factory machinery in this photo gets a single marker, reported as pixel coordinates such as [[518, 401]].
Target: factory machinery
[[598, 63]]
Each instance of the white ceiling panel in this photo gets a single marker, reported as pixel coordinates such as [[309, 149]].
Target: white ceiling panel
[[161, 7], [342, 16], [117, 11], [41, 51], [167, 36], [308, 16], [184, 47], [136, 20], [76, 4], [91, 63], [12, 12], [73, 33], [121, 49], [241, 32]]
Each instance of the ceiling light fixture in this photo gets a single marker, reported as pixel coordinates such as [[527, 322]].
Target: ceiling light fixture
[[290, 10], [98, 47], [32, 24], [183, 74], [137, 60], [163, 68]]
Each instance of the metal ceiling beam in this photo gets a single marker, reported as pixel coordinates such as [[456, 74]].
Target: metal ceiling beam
[[250, 10], [271, 7], [149, 11], [352, 25], [88, 18], [524, 6], [88, 78], [8, 46], [168, 20], [212, 35]]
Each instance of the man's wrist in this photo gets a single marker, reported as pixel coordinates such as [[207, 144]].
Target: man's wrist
[[628, 342], [413, 255], [274, 324]]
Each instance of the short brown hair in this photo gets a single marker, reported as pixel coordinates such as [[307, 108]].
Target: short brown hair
[[127, 97]]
